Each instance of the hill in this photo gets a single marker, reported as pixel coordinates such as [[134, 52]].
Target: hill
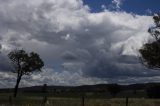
[[102, 90]]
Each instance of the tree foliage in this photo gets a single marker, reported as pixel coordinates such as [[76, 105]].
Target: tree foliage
[[24, 64], [150, 52], [153, 90]]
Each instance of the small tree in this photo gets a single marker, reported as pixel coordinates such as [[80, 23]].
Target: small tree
[[150, 52], [24, 64]]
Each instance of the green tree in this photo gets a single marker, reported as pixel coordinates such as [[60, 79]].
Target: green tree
[[150, 52], [24, 64]]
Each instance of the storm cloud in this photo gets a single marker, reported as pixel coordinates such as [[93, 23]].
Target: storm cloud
[[77, 46]]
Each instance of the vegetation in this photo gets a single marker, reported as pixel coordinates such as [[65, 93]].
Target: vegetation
[[94, 95], [55, 101], [153, 91], [148, 90], [114, 89], [150, 52], [24, 64]]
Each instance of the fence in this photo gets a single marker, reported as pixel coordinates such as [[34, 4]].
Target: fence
[[46, 101]]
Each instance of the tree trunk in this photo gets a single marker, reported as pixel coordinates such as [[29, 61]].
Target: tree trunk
[[16, 86]]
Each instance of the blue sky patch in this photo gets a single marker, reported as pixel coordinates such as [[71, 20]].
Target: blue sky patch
[[142, 7]]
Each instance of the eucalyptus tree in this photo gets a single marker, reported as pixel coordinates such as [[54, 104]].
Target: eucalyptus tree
[[24, 63], [150, 52]]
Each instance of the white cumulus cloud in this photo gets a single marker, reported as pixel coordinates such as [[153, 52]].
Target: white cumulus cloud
[[77, 46]]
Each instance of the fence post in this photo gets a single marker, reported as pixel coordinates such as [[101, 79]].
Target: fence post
[[44, 100], [126, 101], [10, 100], [82, 100]]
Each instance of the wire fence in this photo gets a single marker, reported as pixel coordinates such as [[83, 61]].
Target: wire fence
[[46, 101]]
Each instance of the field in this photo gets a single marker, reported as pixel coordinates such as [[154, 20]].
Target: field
[[41, 100], [93, 95]]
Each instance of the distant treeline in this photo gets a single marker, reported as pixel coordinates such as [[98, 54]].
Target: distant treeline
[[148, 90]]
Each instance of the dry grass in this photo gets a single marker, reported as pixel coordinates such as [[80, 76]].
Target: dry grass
[[30, 101]]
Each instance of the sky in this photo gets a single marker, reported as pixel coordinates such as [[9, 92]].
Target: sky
[[81, 42], [141, 7]]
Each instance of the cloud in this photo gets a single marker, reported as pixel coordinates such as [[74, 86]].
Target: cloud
[[117, 3], [48, 76], [103, 6], [77, 46], [149, 11]]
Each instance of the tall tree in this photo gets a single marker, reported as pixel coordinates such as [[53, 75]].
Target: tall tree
[[150, 52], [24, 64]]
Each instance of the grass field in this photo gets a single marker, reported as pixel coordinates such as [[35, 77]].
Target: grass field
[[28, 100], [78, 102]]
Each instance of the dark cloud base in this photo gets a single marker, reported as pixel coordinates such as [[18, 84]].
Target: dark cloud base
[[78, 47]]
